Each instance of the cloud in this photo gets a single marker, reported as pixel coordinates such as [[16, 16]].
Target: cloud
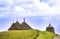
[[1, 15], [30, 8], [19, 9], [27, 7]]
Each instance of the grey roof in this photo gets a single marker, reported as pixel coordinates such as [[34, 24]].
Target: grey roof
[[18, 26], [25, 26]]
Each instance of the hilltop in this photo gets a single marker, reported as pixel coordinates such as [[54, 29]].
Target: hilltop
[[26, 34]]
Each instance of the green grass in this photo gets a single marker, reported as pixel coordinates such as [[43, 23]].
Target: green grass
[[19, 34], [46, 35], [26, 34]]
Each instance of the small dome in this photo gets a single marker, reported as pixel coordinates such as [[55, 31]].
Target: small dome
[[49, 25]]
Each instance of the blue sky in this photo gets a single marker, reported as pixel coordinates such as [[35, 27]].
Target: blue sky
[[38, 13]]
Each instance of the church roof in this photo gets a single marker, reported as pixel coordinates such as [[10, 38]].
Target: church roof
[[18, 26], [25, 26], [14, 26]]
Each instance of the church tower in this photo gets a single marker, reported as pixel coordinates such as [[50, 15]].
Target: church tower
[[50, 28]]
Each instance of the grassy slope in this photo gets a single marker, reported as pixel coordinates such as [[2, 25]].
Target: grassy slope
[[26, 34], [46, 35], [22, 34]]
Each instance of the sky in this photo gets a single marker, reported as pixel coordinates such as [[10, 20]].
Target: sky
[[37, 13]]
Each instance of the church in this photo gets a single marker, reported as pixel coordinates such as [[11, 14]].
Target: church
[[25, 26], [18, 26]]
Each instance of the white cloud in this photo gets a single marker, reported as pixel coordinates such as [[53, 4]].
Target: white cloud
[[19, 9], [1, 15], [10, 2], [36, 7], [46, 9]]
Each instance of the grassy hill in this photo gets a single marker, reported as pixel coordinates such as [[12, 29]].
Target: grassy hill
[[26, 34], [46, 35]]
